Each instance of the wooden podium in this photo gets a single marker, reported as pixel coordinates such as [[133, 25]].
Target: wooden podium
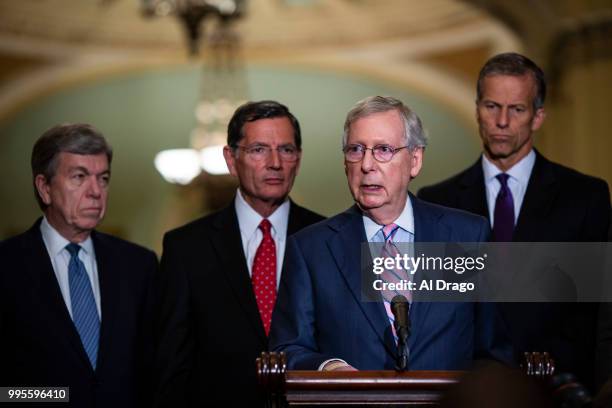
[[285, 388]]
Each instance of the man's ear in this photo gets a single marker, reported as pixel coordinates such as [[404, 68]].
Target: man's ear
[[416, 161], [43, 188], [230, 160], [538, 119]]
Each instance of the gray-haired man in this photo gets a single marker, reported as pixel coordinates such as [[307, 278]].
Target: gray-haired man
[[75, 304]]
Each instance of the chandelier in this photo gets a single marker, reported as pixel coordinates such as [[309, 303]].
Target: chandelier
[[223, 85], [193, 13]]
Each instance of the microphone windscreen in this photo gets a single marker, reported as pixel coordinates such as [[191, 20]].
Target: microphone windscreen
[[400, 308], [397, 299]]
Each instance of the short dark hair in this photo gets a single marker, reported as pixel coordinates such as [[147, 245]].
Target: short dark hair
[[252, 111], [512, 63], [77, 138]]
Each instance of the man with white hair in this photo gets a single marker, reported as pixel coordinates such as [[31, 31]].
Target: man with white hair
[[321, 320]]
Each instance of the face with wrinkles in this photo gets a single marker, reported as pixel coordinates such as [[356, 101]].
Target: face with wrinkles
[[264, 182], [507, 119], [76, 195], [380, 189]]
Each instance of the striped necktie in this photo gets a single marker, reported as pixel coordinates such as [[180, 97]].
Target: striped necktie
[[395, 275], [84, 310]]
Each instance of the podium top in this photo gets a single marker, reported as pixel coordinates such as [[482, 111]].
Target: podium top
[[372, 380]]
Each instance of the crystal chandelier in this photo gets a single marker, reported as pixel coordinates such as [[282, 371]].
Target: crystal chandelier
[[223, 86]]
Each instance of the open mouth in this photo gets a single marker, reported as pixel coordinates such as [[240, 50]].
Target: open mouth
[[371, 188]]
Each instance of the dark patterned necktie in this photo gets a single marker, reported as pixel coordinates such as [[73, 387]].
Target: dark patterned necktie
[[264, 275], [503, 218], [84, 310]]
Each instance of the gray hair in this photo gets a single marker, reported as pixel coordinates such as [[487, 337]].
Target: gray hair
[[77, 138], [414, 136], [514, 64]]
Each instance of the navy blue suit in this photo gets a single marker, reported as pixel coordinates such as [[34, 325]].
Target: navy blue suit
[[39, 344], [320, 313]]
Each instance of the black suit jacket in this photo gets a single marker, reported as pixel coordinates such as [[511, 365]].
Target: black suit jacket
[[39, 344], [560, 205], [210, 331]]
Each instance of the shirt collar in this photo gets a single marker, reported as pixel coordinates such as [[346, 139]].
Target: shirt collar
[[405, 221], [55, 242], [520, 171], [249, 219]]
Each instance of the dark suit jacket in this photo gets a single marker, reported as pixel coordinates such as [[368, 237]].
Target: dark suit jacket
[[321, 314], [210, 331], [560, 205], [39, 344]]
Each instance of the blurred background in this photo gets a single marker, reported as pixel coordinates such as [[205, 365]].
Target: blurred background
[[160, 78]]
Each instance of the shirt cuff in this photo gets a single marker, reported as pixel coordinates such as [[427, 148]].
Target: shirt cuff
[[335, 360]]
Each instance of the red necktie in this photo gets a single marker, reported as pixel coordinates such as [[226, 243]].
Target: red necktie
[[264, 275]]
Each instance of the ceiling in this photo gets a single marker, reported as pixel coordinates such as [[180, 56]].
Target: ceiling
[[268, 23], [47, 43], [283, 23], [44, 43]]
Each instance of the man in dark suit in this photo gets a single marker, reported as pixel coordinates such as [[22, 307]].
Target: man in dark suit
[[220, 272], [549, 203], [76, 307], [322, 321]]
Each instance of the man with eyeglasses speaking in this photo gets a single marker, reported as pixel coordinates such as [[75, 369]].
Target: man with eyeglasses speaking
[[219, 274], [321, 320]]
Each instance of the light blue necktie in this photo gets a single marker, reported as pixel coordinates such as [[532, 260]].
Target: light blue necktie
[[84, 310]]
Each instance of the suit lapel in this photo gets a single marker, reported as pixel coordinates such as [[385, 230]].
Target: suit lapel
[[427, 228], [426, 223], [295, 222], [228, 245], [47, 291], [109, 276], [472, 196], [345, 247], [541, 192]]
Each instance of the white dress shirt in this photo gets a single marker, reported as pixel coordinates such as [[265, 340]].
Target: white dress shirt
[[60, 258], [251, 235], [517, 183], [405, 221]]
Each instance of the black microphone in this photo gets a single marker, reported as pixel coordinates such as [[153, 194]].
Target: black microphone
[[400, 309]]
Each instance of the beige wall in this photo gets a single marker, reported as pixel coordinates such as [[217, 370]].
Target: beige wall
[[578, 127]]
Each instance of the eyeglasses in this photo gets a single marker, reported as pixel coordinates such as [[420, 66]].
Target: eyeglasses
[[382, 153], [258, 152]]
